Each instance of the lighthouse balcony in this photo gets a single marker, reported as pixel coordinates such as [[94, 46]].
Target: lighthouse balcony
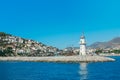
[[82, 43]]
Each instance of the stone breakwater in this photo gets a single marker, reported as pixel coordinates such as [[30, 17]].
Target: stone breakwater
[[59, 59]]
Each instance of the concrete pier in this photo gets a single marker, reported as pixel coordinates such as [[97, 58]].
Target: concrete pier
[[59, 59]]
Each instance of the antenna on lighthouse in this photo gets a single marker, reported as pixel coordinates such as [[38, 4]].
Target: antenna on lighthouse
[[82, 33]]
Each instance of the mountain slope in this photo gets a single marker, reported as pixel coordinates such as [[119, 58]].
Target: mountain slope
[[114, 43], [16, 46]]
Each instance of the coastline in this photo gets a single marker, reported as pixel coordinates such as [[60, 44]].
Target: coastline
[[75, 59], [109, 54]]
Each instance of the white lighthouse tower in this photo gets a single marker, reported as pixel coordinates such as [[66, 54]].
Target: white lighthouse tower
[[82, 45]]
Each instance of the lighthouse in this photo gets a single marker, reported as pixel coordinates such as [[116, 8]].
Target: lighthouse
[[82, 45]]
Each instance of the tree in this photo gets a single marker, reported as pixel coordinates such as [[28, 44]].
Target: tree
[[98, 51], [116, 51], [8, 51], [2, 53], [4, 34]]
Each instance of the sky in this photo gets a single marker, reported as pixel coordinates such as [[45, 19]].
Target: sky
[[60, 23]]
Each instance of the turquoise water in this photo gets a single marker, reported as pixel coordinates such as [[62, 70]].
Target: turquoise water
[[60, 71]]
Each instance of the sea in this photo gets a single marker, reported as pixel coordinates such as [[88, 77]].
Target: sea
[[12, 70]]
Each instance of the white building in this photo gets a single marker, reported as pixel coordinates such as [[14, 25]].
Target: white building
[[82, 45], [20, 40]]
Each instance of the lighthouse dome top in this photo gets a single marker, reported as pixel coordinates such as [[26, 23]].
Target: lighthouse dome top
[[82, 36]]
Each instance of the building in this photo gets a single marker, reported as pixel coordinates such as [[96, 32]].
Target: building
[[82, 45]]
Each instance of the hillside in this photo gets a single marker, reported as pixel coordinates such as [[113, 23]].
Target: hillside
[[16, 46], [114, 43]]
